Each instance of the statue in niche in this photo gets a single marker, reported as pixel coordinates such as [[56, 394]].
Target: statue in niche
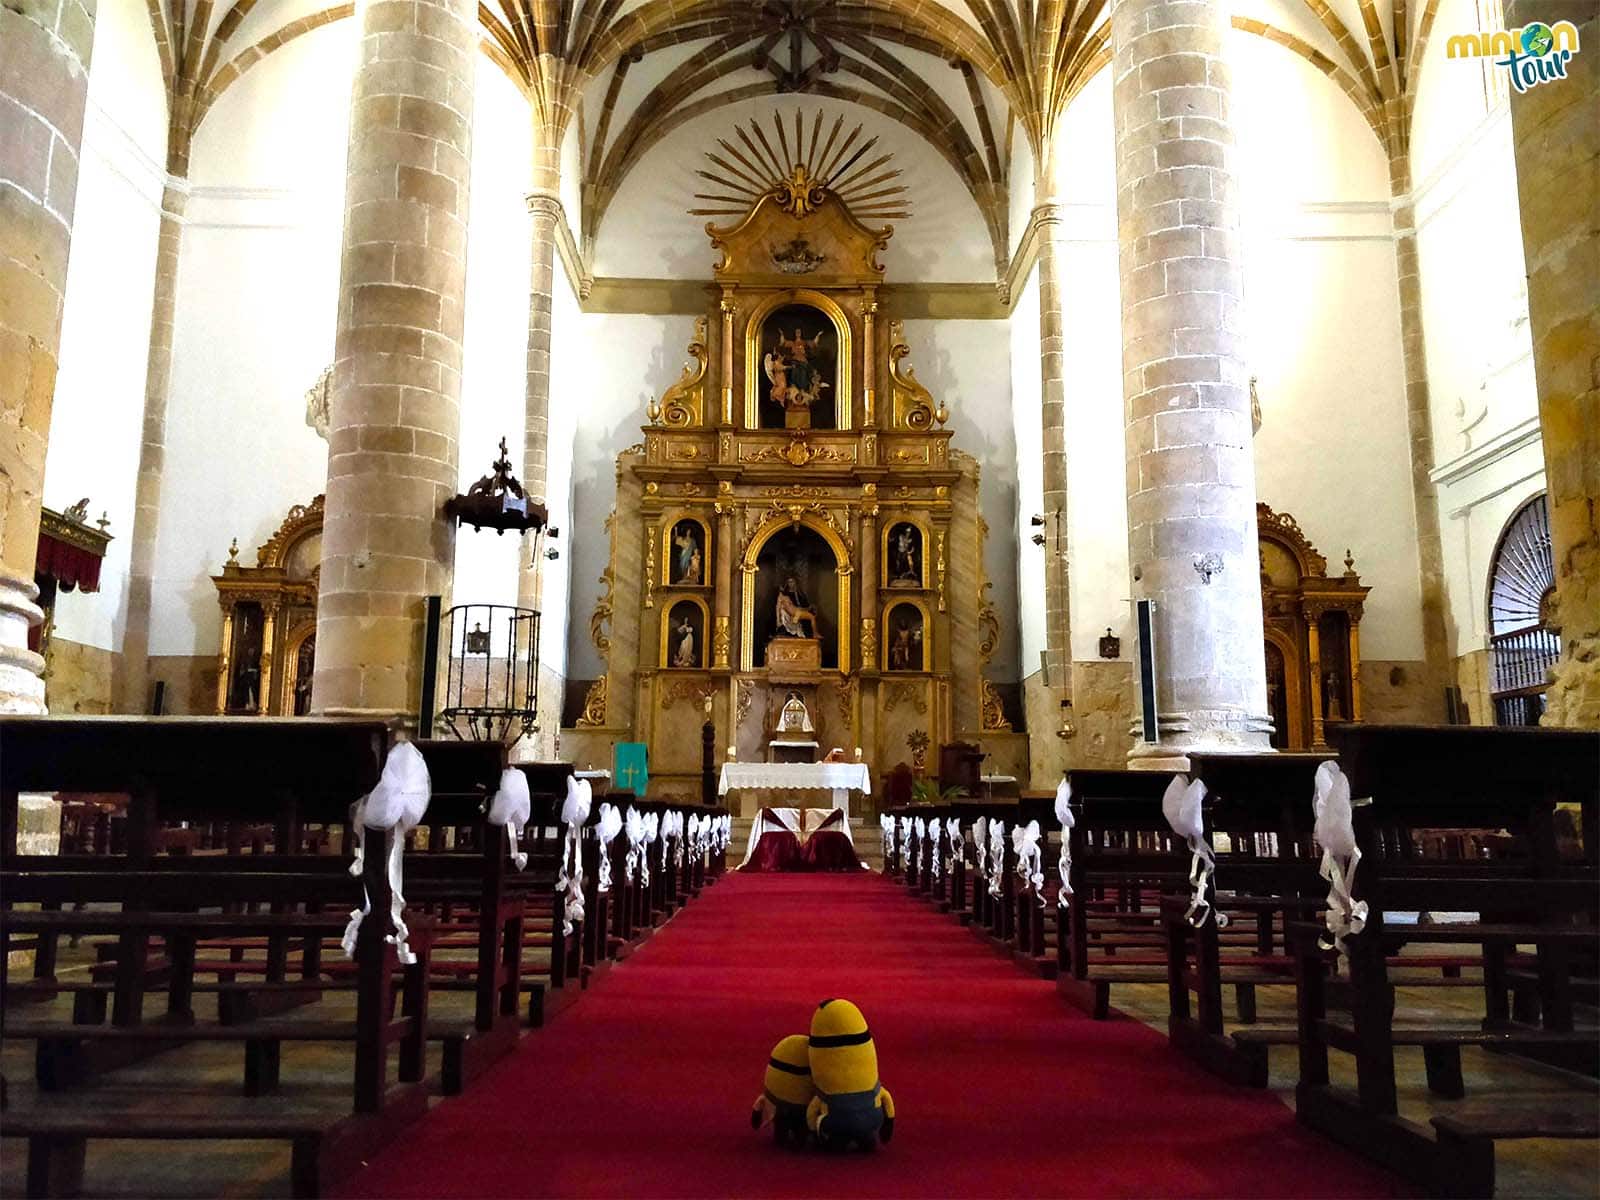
[[305, 662], [905, 642], [1334, 709], [794, 718], [683, 643], [905, 556], [794, 611], [688, 555], [685, 655]]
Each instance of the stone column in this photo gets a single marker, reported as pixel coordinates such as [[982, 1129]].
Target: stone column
[[134, 680], [44, 79], [1191, 479], [1557, 142], [544, 210], [1419, 428], [395, 408], [1052, 407]]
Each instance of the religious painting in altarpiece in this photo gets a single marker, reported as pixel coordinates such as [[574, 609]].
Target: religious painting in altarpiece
[[795, 519]]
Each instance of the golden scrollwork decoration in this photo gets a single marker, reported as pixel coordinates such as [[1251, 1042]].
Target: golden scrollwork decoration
[[846, 698], [744, 696], [683, 404], [869, 640], [994, 713], [721, 643], [650, 569], [939, 567], [906, 692], [594, 705], [912, 404], [696, 690]]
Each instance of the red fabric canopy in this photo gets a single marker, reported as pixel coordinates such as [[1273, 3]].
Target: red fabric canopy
[[70, 566]]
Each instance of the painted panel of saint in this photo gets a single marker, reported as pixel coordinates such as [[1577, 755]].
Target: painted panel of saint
[[686, 636], [903, 556], [688, 553], [244, 658], [799, 369], [904, 630]]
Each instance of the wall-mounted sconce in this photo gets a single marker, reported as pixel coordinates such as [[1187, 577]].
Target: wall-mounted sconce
[[1110, 645], [552, 553], [1038, 539], [1036, 520], [1068, 730]]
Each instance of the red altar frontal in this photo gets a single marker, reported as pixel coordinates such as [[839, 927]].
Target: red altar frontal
[[801, 839]]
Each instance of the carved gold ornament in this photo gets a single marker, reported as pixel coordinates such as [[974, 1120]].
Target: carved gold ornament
[[594, 705], [994, 714], [799, 178], [683, 404]]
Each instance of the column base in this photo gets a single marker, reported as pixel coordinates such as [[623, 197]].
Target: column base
[[21, 670], [1203, 731], [1573, 698]]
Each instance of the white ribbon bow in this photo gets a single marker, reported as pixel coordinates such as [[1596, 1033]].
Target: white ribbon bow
[[980, 840], [1030, 858], [724, 831], [606, 829], [634, 863], [905, 843], [997, 856], [652, 834], [1335, 832], [574, 812], [1180, 804], [921, 827], [952, 829], [1068, 820], [886, 823], [511, 807], [397, 804]]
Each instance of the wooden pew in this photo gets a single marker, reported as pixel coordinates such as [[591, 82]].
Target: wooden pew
[[1267, 876], [1124, 856], [1033, 940], [1442, 778]]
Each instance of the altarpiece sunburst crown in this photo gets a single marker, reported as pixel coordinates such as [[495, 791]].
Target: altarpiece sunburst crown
[[800, 176]]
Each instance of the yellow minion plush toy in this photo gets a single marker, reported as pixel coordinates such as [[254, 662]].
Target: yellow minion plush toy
[[851, 1105], [785, 1092]]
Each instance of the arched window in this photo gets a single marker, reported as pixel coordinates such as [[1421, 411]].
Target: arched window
[[1522, 644]]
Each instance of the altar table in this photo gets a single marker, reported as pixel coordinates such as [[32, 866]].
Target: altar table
[[839, 778]]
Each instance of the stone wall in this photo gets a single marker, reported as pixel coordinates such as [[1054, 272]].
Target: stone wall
[[79, 678]]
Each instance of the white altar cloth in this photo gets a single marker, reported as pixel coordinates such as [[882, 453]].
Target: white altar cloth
[[840, 778]]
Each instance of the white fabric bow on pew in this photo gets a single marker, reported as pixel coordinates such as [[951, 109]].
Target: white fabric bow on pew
[[886, 822], [633, 823], [1335, 832], [652, 835], [921, 827], [952, 829], [905, 843], [1030, 858], [980, 840], [607, 828], [574, 812], [1064, 862], [397, 804], [511, 807], [724, 831], [677, 838], [1181, 806], [997, 856]]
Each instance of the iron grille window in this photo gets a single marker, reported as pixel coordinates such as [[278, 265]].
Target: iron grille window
[[1522, 645]]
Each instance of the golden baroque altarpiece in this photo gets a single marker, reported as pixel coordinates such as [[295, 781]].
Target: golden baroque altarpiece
[[795, 521]]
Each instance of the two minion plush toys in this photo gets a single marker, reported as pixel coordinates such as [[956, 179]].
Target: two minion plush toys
[[827, 1084]]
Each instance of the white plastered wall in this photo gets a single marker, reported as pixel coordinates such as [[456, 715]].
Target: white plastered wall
[[96, 421], [1487, 453]]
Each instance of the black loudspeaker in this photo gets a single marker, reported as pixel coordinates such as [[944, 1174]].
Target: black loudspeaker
[[1146, 610], [158, 702], [430, 664]]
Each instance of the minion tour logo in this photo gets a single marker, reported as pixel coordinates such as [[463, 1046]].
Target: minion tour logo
[[1535, 54]]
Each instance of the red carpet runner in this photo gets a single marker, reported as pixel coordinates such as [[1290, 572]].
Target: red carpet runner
[[644, 1087]]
